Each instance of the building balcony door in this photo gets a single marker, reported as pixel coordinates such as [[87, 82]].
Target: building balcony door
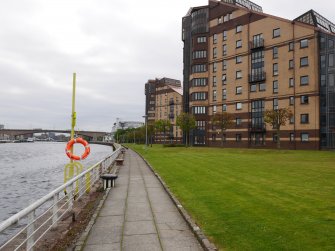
[[257, 139]]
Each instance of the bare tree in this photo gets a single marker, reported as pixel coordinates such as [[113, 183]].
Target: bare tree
[[223, 120], [277, 118]]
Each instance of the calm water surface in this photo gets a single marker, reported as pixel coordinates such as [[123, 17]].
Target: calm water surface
[[29, 171]]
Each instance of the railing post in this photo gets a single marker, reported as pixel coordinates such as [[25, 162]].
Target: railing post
[[70, 196], [30, 231], [55, 211]]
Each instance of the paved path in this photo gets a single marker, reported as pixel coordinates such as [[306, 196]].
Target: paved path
[[139, 215]]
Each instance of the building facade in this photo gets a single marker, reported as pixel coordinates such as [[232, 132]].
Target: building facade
[[164, 99], [241, 61]]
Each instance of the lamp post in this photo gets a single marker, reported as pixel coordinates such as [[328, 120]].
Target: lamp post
[[146, 129]]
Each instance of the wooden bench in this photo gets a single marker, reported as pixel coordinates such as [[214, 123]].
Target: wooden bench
[[119, 162], [109, 180]]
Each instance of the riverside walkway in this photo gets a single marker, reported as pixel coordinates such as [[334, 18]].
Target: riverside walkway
[[139, 215]]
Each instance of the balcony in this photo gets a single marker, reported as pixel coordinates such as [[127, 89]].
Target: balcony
[[257, 44], [257, 77], [257, 127], [171, 102], [171, 116]]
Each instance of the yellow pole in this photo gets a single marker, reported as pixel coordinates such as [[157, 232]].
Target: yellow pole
[[74, 117]]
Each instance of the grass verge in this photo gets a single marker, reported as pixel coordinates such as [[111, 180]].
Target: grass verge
[[247, 199]]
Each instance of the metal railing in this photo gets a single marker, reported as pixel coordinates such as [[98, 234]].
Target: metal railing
[[53, 206]]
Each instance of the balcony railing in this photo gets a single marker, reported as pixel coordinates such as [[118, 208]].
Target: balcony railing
[[257, 44], [257, 127], [257, 77]]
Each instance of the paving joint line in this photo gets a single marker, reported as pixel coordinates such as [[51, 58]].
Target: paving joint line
[[152, 212], [126, 205]]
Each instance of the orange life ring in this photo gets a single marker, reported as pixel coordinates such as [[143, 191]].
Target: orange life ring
[[71, 143]]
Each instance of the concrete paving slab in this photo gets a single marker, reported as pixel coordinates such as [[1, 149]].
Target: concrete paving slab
[[139, 227], [147, 242], [103, 247]]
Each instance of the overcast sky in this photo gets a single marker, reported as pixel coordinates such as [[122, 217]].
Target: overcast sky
[[114, 46]]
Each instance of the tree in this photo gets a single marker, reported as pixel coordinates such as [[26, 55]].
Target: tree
[[224, 121], [277, 118], [162, 125], [186, 122]]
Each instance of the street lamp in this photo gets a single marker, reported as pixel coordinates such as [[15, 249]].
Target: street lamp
[[146, 129]]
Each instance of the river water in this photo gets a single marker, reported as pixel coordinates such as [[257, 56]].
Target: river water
[[28, 171]]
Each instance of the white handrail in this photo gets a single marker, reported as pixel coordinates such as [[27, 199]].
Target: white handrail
[[31, 208]]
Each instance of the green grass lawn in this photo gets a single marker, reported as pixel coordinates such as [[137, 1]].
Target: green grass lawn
[[253, 199]]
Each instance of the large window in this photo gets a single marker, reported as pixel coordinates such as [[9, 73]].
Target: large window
[[257, 116], [304, 43], [199, 54], [304, 61], [199, 96], [199, 109], [275, 69], [199, 82], [276, 33], [304, 118], [199, 68], [304, 80], [201, 39]]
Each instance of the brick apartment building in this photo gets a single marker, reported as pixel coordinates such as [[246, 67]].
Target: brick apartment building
[[164, 102], [240, 60]]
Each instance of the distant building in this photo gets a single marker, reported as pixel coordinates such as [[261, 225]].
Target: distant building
[[164, 102], [119, 124], [240, 60], [2, 127]]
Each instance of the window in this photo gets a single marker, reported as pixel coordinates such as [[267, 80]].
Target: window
[[199, 68], [224, 79], [227, 17], [291, 82], [275, 69], [291, 46], [239, 90], [214, 109], [224, 65], [215, 67], [291, 64], [304, 43], [224, 107], [304, 80], [224, 94], [275, 104], [238, 121], [238, 137], [262, 87], [201, 39], [238, 43], [275, 52], [304, 137], [292, 119], [199, 82], [220, 20], [292, 137], [199, 96], [304, 99], [291, 100], [214, 95], [276, 33], [303, 61], [215, 38], [215, 51], [238, 28], [214, 81], [238, 74], [275, 86], [239, 106], [224, 50], [330, 44], [274, 137], [238, 59], [199, 54], [199, 109], [331, 60], [224, 35], [323, 61], [304, 118], [253, 87]]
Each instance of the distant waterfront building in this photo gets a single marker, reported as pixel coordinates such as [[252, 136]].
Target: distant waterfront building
[[164, 102], [240, 60], [2, 127], [119, 124]]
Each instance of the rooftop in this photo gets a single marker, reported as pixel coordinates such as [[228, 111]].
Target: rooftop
[[313, 18]]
